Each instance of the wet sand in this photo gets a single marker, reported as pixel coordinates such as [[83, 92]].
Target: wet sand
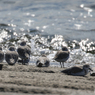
[[30, 79]]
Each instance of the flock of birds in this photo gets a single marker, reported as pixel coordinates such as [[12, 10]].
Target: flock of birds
[[24, 51], [12, 55]]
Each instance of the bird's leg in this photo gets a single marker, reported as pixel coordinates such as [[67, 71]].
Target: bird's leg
[[61, 64], [23, 61]]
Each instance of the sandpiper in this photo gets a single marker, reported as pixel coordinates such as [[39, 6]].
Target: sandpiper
[[11, 56], [24, 52], [62, 56], [1, 54], [78, 70], [43, 61]]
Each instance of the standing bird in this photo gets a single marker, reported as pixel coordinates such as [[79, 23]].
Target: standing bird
[[24, 52], [11, 56], [78, 70], [43, 61], [1, 54], [62, 56]]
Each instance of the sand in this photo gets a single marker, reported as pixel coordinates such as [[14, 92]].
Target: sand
[[22, 79]]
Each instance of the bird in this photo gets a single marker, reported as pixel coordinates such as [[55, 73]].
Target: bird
[[43, 61], [62, 56], [1, 55], [78, 70], [11, 56], [24, 52]]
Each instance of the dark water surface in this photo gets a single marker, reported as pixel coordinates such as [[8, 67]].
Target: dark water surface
[[49, 24]]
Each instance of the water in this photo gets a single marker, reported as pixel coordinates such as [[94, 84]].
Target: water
[[49, 24]]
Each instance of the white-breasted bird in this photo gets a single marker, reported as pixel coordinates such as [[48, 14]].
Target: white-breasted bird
[[11, 56], [24, 52], [42, 61], [62, 56]]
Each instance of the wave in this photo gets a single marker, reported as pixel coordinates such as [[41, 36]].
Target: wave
[[81, 52]]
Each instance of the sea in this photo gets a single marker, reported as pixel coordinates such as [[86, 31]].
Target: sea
[[47, 25]]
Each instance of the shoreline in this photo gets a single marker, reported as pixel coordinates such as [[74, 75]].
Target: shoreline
[[45, 80]]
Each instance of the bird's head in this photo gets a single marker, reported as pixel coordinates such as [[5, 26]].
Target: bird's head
[[64, 48], [12, 48], [23, 43]]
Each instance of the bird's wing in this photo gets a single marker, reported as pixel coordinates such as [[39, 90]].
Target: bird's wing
[[61, 55], [15, 55], [1, 55], [72, 70], [76, 69], [28, 50], [21, 52]]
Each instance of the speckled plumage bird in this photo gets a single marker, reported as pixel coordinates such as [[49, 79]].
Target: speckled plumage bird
[[24, 52], [62, 56], [43, 61], [11, 56]]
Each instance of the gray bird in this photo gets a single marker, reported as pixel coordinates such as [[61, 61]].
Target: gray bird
[[62, 56], [24, 52], [11, 56], [78, 70], [43, 61], [1, 54]]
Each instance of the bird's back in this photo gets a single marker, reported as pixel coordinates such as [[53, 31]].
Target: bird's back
[[72, 70], [43, 61], [61, 56]]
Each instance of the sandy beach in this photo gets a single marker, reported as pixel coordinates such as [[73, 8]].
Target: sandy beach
[[22, 79]]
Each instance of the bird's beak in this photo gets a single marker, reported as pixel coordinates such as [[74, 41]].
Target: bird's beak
[[90, 69]]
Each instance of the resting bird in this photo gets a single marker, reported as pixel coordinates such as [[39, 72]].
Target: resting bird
[[24, 52], [78, 71], [43, 61], [1, 54], [62, 56], [11, 56]]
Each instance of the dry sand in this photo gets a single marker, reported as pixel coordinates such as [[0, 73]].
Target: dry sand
[[20, 79]]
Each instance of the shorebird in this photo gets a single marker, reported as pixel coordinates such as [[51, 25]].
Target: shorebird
[[24, 52], [11, 56], [43, 61], [62, 56], [1, 54], [78, 70]]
